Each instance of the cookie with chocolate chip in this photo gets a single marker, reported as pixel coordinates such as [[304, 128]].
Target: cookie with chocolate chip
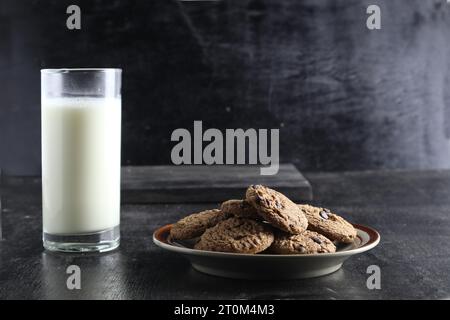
[[307, 242], [237, 235], [240, 208], [277, 209], [329, 224], [195, 224]]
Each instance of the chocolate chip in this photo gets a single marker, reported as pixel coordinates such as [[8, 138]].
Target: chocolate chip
[[324, 215], [278, 204], [301, 249], [316, 240]]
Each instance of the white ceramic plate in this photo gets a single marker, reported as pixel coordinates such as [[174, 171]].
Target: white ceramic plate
[[267, 266]]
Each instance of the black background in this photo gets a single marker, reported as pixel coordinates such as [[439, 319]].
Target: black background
[[344, 97]]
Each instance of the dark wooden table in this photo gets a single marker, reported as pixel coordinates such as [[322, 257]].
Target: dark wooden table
[[411, 209]]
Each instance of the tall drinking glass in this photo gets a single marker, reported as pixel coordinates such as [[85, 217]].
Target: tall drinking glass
[[81, 137]]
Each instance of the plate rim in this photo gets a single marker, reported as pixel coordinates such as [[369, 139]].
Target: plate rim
[[160, 239]]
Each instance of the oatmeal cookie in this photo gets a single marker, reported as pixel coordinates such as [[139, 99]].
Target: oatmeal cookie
[[240, 208], [329, 224], [277, 209], [195, 224], [237, 235], [305, 243]]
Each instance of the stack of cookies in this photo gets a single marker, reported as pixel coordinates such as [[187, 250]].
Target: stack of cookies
[[265, 221]]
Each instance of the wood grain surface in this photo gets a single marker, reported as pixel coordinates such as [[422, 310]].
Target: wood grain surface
[[207, 183], [172, 184]]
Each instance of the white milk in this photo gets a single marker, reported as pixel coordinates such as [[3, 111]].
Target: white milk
[[80, 164]]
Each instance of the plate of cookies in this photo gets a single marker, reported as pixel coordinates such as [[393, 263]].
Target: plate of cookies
[[266, 236]]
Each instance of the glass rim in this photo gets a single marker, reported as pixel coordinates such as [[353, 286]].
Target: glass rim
[[80, 70]]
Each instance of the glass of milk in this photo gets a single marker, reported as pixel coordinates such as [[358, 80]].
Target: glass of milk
[[81, 137]]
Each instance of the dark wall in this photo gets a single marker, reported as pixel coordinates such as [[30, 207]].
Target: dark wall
[[344, 97]]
